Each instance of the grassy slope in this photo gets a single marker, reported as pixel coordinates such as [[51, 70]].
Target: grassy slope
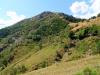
[[24, 54], [33, 58], [29, 56], [68, 68], [41, 55]]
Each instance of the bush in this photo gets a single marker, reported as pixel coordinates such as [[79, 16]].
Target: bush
[[59, 54], [88, 71], [6, 57], [98, 15], [43, 64], [94, 17], [92, 30], [81, 34], [89, 45], [40, 65], [4, 32], [36, 38], [86, 32], [98, 46], [18, 70], [72, 35]]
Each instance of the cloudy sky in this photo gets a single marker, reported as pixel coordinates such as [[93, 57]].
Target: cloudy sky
[[13, 11]]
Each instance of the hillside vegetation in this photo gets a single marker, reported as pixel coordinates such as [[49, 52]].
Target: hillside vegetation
[[48, 44]]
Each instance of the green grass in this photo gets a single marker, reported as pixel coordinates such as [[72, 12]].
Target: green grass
[[32, 59], [34, 43], [41, 55], [68, 68], [90, 71]]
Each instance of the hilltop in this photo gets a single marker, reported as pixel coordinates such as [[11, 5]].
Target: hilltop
[[38, 44]]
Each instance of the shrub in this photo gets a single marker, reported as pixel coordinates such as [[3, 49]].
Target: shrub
[[43, 64], [90, 45], [97, 46], [72, 35], [59, 54], [6, 56], [86, 32], [98, 15], [18, 70], [88, 71], [81, 34], [4, 32], [92, 30], [94, 17], [36, 38]]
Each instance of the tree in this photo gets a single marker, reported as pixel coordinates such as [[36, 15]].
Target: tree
[[98, 15]]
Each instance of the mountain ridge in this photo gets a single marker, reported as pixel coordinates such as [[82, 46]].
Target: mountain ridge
[[44, 40]]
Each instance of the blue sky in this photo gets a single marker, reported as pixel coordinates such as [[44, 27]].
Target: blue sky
[[12, 11], [32, 7]]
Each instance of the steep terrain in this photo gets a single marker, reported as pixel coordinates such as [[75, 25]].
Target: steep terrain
[[51, 41]]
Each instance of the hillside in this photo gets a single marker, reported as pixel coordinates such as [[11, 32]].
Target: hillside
[[49, 40], [69, 68]]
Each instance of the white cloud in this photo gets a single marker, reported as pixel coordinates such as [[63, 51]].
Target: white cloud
[[79, 7], [85, 10], [13, 18], [96, 6]]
